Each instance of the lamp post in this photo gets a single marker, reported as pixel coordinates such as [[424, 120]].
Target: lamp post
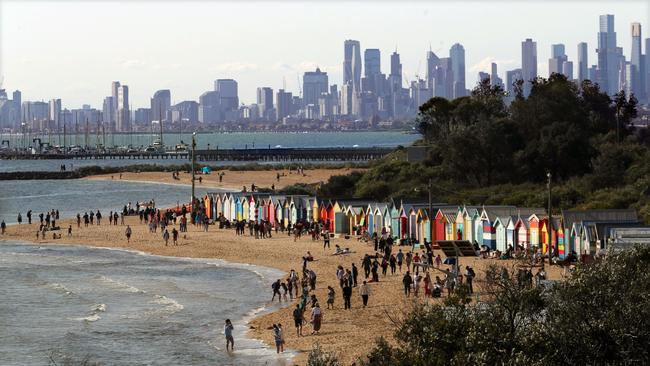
[[430, 186], [549, 230], [193, 163]]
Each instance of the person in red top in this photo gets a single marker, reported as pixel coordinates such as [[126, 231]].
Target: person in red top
[[416, 263]]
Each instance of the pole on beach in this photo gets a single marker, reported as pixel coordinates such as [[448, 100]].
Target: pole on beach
[[549, 227], [193, 163], [430, 214]]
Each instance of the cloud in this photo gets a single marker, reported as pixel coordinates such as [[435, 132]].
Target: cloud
[[486, 64], [236, 67], [133, 64]]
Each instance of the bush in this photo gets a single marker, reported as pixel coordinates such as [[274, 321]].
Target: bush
[[318, 357]]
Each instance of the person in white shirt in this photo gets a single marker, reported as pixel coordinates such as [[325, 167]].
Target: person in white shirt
[[364, 291]]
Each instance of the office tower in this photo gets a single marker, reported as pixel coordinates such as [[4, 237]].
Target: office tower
[[142, 116], [371, 62], [627, 77], [283, 102], [313, 84], [352, 63], [187, 110], [210, 107], [583, 62], [17, 99], [567, 69], [528, 64], [444, 79], [593, 73], [123, 113], [108, 113], [346, 99], [457, 56], [608, 59], [228, 94], [483, 76], [160, 103], [647, 69], [265, 101], [637, 79], [6, 110], [432, 63], [54, 111], [35, 112], [512, 77], [558, 58], [495, 80]]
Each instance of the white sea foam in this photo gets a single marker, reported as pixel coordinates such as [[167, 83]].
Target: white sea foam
[[90, 318], [170, 305], [99, 308], [59, 287], [121, 285]]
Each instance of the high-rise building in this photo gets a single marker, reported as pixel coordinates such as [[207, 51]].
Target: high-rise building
[[160, 103], [637, 78], [528, 64], [444, 79], [608, 58], [54, 109], [512, 77], [142, 116], [314, 83], [646, 60], [35, 111], [371, 62], [210, 107], [433, 62], [583, 62], [186, 111], [228, 93], [567, 69], [457, 56], [558, 58], [265, 101], [123, 113], [395, 77], [346, 99], [352, 63], [283, 103], [495, 80], [108, 113]]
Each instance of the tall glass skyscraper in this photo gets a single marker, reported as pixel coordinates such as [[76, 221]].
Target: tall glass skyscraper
[[457, 56], [583, 62], [608, 58], [528, 64], [637, 69], [352, 64]]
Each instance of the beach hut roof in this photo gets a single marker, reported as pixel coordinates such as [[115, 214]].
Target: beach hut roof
[[612, 216]]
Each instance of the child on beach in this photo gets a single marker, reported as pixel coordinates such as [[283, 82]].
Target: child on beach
[[128, 233], [330, 297], [297, 319], [227, 331]]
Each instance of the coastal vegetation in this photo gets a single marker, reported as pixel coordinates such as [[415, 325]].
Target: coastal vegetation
[[482, 151]]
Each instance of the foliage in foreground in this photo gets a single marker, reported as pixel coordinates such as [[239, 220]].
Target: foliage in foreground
[[599, 316], [318, 357]]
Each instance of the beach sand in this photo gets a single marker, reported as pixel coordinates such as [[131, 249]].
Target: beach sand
[[233, 180], [350, 333]]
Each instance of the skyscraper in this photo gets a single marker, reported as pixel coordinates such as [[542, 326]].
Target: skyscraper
[[210, 107], [283, 102], [123, 113], [512, 77], [638, 68], [495, 80], [558, 57], [352, 63], [646, 63], [108, 113], [395, 77], [583, 62], [265, 101], [433, 61], [229, 97], [528, 64], [457, 56], [160, 104], [314, 83], [371, 62], [55, 111], [608, 59]]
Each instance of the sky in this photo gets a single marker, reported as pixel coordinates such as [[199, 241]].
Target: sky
[[73, 49]]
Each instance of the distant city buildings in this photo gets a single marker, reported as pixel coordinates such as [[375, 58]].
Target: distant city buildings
[[366, 97]]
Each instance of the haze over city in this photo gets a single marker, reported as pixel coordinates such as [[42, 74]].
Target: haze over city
[[58, 50]]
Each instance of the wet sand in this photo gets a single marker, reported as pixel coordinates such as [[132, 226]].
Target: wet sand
[[233, 180], [350, 333]]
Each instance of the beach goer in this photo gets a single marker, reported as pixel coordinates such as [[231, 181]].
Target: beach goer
[[166, 237], [276, 290], [331, 294], [355, 274], [277, 336], [69, 230], [407, 281], [438, 261], [20, 219], [3, 227], [128, 233], [326, 239], [364, 291], [175, 236], [281, 331], [469, 275], [227, 331], [297, 320], [347, 296], [316, 318]]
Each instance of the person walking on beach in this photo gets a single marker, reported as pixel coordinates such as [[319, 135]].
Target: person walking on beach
[[355, 274], [20, 219], [407, 281], [3, 227], [99, 217], [316, 318], [29, 217], [347, 296], [364, 291], [227, 331], [128, 233], [326, 239], [330, 297], [469, 275], [175, 236], [166, 237], [297, 320], [281, 331], [78, 220], [276, 290], [69, 230], [277, 336]]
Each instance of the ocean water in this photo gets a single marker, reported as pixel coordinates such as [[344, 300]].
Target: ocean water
[[80, 195], [71, 304]]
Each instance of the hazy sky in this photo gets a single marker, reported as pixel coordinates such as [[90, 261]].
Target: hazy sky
[[74, 49]]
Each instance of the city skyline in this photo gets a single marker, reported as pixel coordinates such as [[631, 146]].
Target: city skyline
[[188, 77]]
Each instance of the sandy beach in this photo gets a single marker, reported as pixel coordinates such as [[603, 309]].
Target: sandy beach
[[350, 333], [233, 180]]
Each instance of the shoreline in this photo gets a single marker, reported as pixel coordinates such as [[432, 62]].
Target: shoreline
[[244, 321]]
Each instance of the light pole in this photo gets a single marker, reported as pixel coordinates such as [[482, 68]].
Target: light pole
[[430, 185], [549, 227], [193, 163]]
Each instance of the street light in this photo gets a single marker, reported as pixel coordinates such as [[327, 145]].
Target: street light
[[549, 232], [193, 163]]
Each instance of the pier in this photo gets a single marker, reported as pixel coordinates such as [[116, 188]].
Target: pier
[[270, 154]]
